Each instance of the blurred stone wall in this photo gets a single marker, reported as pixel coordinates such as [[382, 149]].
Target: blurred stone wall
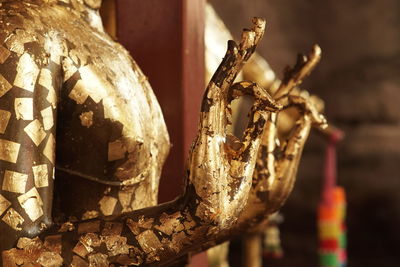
[[359, 79]]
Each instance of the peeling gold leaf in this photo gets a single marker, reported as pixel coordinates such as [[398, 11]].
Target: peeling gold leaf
[[48, 120], [27, 73], [5, 86], [86, 119], [24, 108], [49, 150], [107, 205], [4, 54], [148, 241], [9, 151], [41, 176], [4, 119], [35, 132], [78, 93], [32, 203], [4, 204], [13, 219], [14, 182]]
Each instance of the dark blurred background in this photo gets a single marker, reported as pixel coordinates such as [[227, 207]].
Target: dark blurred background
[[359, 80]]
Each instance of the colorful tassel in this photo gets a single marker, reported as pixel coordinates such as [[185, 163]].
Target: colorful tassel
[[331, 215]]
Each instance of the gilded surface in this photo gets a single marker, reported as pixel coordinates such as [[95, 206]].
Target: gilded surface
[[60, 71]]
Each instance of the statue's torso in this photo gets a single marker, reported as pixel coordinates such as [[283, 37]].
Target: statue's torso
[[109, 124]]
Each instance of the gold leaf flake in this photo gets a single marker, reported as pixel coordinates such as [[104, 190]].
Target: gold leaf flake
[[14, 182], [90, 214], [47, 115], [41, 176], [4, 54], [30, 244], [24, 108], [9, 151], [50, 259], [125, 198], [66, 227], [27, 73], [32, 203], [4, 119], [46, 79], [81, 250], [116, 150], [5, 86], [170, 223], [107, 205], [49, 151], [148, 241], [78, 93], [68, 68], [86, 119], [98, 260], [116, 245], [35, 132], [13, 219], [4, 204]]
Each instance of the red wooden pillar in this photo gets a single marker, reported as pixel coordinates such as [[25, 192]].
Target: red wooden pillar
[[166, 38]]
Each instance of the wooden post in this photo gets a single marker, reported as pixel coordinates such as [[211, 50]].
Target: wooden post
[[166, 38]]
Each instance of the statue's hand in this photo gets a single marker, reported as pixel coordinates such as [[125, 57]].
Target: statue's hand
[[221, 166]]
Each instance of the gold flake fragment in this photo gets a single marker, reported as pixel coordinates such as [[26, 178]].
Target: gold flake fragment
[[32, 203], [68, 68], [27, 73], [30, 244], [107, 205], [49, 150], [125, 198], [98, 260], [9, 151], [86, 119], [35, 132], [50, 259], [90, 214], [170, 223], [78, 93], [116, 150], [89, 227], [4, 204], [4, 119], [148, 241], [48, 120], [112, 228], [53, 243], [13, 219], [4, 54], [41, 176], [5, 86], [116, 245], [14, 182], [133, 226], [46, 79], [66, 227], [78, 262], [80, 250], [24, 108]]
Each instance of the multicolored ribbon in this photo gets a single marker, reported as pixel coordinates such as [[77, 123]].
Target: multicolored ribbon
[[331, 213]]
